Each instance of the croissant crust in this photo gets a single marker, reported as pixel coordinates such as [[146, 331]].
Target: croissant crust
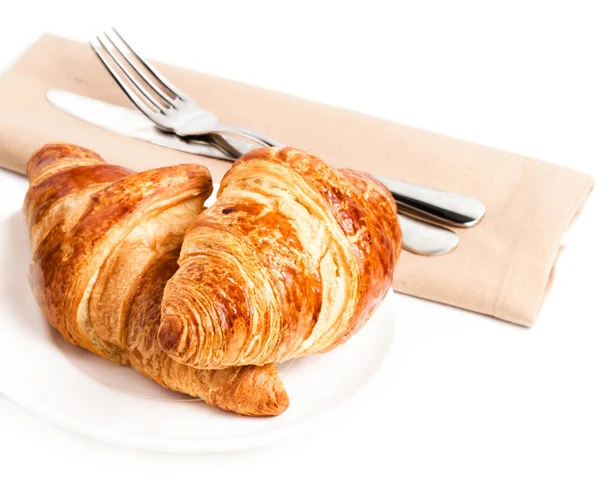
[[292, 259]]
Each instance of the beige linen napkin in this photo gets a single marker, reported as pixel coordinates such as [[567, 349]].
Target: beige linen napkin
[[502, 267]]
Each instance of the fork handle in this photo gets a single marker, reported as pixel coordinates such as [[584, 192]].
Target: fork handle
[[431, 204], [435, 204]]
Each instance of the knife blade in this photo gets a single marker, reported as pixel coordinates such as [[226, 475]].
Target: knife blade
[[126, 122], [419, 237]]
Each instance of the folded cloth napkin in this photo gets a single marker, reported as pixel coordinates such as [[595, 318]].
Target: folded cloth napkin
[[502, 267]]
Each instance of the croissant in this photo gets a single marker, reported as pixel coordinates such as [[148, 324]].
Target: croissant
[[292, 259], [105, 241]]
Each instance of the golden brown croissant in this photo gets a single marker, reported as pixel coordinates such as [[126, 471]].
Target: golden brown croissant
[[105, 241], [291, 260]]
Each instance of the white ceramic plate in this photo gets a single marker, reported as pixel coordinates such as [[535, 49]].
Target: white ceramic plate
[[89, 395]]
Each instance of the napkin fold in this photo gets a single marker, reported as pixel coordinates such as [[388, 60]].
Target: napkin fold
[[502, 267]]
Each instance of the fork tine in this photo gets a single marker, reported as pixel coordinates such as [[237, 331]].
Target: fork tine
[[131, 94], [108, 46], [127, 53], [166, 83]]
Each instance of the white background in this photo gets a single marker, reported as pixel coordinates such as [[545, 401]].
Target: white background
[[476, 396]]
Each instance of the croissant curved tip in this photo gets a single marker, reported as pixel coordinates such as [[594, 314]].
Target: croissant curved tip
[[253, 390], [275, 399], [274, 403], [170, 333], [268, 390]]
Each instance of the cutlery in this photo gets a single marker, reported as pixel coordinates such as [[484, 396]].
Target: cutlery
[[418, 237], [174, 111]]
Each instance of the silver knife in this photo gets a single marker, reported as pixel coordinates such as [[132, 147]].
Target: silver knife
[[418, 237]]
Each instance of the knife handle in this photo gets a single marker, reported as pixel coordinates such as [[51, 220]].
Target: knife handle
[[426, 239]]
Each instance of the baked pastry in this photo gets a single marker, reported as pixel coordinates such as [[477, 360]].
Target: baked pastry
[[105, 241], [292, 259]]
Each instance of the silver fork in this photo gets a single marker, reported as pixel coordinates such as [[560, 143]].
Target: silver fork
[[165, 104], [173, 111]]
